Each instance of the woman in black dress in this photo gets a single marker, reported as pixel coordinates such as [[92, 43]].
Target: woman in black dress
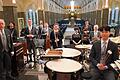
[[76, 37]]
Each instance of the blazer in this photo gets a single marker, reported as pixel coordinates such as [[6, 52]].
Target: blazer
[[9, 41], [13, 34], [39, 32], [95, 54], [60, 37], [33, 32], [44, 32]]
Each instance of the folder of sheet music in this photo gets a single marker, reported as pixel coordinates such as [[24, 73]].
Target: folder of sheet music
[[116, 65]]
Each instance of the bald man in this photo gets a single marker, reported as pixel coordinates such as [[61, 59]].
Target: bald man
[[95, 35], [5, 49]]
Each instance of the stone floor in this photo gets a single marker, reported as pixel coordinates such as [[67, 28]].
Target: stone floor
[[33, 73]]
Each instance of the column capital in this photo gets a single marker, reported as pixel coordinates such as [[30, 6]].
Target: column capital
[[8, 3]]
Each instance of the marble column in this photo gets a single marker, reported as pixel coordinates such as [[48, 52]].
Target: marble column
[[105, 15], [40, 15], [9, 11], [1, 9]]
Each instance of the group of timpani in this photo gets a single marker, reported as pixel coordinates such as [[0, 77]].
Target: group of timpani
[[66, 64]]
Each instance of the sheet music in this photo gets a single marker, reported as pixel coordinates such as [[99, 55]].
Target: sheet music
[[118, 61], [118, 64], [114, 66]]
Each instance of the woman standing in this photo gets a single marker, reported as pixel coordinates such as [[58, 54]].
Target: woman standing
[[13, 31]]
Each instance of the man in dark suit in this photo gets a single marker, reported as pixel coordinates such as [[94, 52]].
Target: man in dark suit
[[103, 53], [5, 52], [87, 27], [56, 37], [30, 34]]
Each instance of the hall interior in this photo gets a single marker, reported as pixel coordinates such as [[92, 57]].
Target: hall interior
[[68, 14]]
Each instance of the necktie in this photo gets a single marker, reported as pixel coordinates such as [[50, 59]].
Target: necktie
[[103, 53]]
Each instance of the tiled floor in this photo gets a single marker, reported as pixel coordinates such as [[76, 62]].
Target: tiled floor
[[33, 74]]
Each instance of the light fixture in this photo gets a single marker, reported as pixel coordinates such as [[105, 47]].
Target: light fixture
[[72, 5], [116, 8], [72, 14], [14, 1], [106, 4], [30, 10]]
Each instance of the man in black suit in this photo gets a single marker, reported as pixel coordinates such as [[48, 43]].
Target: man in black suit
[[5, 52], [30, 34], [103, 53]]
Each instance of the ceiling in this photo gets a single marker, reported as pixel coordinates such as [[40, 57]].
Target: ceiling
[[77, 2]]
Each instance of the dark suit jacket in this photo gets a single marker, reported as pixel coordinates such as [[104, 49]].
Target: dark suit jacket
[[33, 32], [39, 31], [44, 32], [95, 54], [90, 28], [9, 46], [30, 41], [52, 38], [9, 42], [13, 34]]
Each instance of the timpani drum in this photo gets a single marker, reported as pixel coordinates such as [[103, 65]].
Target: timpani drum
[[63, 68]]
